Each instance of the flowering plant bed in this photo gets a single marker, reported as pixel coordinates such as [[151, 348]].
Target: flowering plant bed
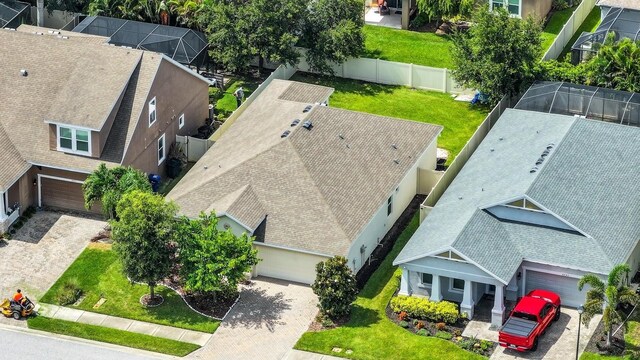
[[451, 332]]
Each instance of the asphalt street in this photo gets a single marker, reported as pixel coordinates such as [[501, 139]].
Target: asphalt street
[[19, 344]]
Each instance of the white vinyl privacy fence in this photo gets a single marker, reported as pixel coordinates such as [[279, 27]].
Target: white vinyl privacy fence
[[569, 29]]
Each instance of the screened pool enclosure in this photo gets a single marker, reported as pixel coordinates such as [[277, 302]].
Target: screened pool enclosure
[[14, 13], [183, 45], [596, 103], [623, 23]]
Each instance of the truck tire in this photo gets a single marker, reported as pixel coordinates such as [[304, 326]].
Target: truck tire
[[557, 316], [16, 315], [535, 345]]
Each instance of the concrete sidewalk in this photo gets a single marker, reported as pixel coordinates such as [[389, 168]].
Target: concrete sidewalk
[[304, 355], [140, 327]]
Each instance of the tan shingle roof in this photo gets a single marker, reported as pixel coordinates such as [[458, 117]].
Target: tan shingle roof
[[73, 36], [329, 180], [67, 77], [625, 4]]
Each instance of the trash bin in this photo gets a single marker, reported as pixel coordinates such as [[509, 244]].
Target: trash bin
[[174, 166], [154, 179]]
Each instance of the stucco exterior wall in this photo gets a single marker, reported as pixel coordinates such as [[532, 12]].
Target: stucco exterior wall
[[286, 264], [177, 92], [536, 8], [225, 223]]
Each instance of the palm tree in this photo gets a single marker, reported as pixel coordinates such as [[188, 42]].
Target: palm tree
[[105, 8], [186, 11], [605, 298]]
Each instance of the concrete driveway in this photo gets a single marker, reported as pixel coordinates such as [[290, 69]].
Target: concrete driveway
[[267, 321], [558, 343], [41, 251]]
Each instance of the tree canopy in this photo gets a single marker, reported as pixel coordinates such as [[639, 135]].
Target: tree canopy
[[143, 237], [498, 55], [108, 185], [212, 260], [335, 286], [437, 9]]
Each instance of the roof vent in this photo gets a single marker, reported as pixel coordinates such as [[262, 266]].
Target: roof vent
[[23, 72], [295, 122], [540, 161], [341, 136], [492, 149], [307, 108], [533, 169], [396, 161], [307, 124], [501, 138], [394, 146], [285, 133]]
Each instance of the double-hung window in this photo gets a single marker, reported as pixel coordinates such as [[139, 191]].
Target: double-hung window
[[74, 140], [161, 149], [152, 111], [426, 279], [390, 205], [181, 121], [456, 285], [512, 6]]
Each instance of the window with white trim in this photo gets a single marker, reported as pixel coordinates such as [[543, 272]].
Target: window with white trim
[[390, 205], [161, 149], [426, 279], [512, 6], [152, 111], [74, 140], [181, 121], [456, 285]]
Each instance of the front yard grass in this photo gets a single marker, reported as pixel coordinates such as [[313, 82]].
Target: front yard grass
[[112, 336], [370, 334], [420, 48], [460, 119], [99, 274], [554, 26]]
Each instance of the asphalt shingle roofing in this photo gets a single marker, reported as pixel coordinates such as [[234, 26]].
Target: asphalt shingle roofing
[[318, 188], [588, 180]]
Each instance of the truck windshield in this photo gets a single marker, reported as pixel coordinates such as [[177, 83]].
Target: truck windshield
[[525, 316]]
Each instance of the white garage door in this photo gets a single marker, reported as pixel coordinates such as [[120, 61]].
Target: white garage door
[[566, 287], [287, 265]]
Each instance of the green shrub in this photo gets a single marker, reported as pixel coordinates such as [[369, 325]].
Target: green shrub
[[17, 225], [427, 310], [466, 344], [485, 345], [422, 332], [335, 286], [69, 293], [415, 321], [403, 324], [443, 335], [327, 322]]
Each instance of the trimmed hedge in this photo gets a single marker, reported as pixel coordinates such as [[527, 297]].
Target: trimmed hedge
[[427, 310]]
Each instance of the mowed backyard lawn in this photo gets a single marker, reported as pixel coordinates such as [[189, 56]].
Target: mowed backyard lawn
[[460, 119], [554, 26], [412, 47], [590, 24], [370, 334], [98, 273]]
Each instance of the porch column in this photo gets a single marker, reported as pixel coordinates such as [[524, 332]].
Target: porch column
[[466, 307], [497, 313], [436, 294], [404, 283], [404, 22], [3, 208]]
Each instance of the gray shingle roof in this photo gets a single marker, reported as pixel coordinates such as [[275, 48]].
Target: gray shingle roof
[[318, 190], [588, 181], [79, 78]]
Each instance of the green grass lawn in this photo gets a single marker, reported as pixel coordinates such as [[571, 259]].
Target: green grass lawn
[[631, 337], [225, 101], [554, 26], [112, 336], [420, 48], [370, 334], [99, 274], [590, 24], [460, 119]]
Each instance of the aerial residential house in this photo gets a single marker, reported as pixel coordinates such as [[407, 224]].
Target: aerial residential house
[[71, 101], [545, 199], [310, 181], [523, 8]]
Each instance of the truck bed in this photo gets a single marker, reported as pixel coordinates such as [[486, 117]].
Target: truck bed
[[518, 327]]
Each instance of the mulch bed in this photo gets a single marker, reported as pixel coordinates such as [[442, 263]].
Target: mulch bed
[[598, 342], [147, 301], [203, 303], [481, 347]]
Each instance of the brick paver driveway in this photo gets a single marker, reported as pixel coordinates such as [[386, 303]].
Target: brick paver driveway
[[269, 318], [41, 251]]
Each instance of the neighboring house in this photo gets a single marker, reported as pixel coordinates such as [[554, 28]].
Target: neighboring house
[[545, 199], [310, 181], [523, 8], [71, 102], [619, 17]]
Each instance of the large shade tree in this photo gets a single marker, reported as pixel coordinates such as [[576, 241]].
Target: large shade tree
[[143, 237], [108, 185], [606, 297], [212, 261], [498, 55]]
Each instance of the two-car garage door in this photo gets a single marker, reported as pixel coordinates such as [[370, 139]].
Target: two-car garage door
[[287, 264], [62, 193], [565, 286]]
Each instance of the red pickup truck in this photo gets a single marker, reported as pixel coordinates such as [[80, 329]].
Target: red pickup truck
[[531, 317]]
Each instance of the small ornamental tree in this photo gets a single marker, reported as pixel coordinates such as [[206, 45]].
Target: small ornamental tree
[[212, 261], [142, 237], [108, 185], [335, 287]]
